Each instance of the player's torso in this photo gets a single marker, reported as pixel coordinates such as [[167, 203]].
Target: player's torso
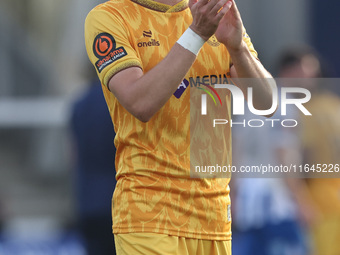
[[152, 33]]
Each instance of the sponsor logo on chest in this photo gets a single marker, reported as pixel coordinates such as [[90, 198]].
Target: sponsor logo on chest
[[147, 40]]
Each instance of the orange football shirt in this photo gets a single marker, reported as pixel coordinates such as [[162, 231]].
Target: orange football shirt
[[154, 191]]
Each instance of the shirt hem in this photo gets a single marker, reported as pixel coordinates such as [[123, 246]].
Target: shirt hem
[[186, 234]]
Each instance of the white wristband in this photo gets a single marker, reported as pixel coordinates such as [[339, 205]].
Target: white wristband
[[191, 41]]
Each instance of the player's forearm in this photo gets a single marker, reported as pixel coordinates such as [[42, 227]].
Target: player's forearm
[[246, 66], [147, 94]]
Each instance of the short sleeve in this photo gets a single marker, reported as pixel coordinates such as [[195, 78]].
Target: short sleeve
[[109, 45]]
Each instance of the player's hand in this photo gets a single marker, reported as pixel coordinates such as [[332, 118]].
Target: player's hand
[[207, 15], [230, 29]]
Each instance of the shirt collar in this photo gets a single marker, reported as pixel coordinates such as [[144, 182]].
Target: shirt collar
[[162, 7]]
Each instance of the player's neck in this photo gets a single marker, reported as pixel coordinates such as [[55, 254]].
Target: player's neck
[[168, 2]]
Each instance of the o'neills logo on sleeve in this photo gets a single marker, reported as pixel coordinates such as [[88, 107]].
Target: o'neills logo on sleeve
[[104, 47]]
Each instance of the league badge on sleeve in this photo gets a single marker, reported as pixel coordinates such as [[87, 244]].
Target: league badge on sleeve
[[104, 48]]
